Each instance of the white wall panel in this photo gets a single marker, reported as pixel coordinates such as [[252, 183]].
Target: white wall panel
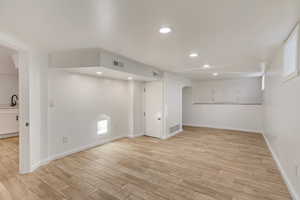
[[235, 117], [76, 102], [231, 91], [282, 127]]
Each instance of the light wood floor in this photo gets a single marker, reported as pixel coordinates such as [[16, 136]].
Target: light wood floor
[[199, 163]]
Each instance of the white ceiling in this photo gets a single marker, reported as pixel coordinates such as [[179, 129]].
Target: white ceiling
[[106, 73], [232, 35]]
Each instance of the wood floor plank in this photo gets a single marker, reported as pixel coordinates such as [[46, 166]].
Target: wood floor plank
[[197, 164]]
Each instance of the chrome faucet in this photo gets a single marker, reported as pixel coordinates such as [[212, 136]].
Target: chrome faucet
[[14, 100]]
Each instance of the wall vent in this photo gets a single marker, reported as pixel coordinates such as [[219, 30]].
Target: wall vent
[[174, 128], [118, 63], [155, 73]]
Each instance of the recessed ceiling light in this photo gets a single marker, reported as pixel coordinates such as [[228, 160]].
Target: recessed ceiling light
[[194, 55], [216, 74], [129, 78], [99, 73], [165, 30], [206, 66]]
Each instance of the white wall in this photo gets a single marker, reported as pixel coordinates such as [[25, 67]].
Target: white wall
[[8, 76], [8, 87], [234, 91], [91, 57], [137, 108], [224, 116], [44, 110], [282, 127], [173, 86], [76, 102], [38, 64], [6, 61]]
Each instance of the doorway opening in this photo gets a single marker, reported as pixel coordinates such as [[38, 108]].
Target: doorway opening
[[9, 109], [14, 106]]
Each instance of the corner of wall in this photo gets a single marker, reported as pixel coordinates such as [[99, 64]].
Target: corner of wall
[[173, 134], [290, 187], [136, 135]]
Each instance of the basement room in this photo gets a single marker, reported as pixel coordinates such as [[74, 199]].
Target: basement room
[[149, 100]]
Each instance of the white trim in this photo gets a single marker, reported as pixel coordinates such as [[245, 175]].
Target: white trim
[[283, 173], [72, 151], [33, 167], [131, 108], [225, 128], [135, 136], [172, 134], [290, 76], [294, 32], [83, 148]]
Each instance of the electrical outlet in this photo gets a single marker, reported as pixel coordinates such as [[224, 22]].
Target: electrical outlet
[[65, 140]]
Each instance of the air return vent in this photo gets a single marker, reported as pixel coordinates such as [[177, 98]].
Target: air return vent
[[174, 128]]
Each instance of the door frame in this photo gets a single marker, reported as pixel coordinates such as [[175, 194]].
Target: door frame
[[22, 60]]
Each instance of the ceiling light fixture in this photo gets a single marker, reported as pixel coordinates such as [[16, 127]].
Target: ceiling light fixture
[[165, 30], [194, 55], [206, 66], [99, 73], [129, 78], [215, 74]]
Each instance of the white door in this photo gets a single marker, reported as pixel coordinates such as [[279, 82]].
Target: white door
[[24, 136], [154, 108]]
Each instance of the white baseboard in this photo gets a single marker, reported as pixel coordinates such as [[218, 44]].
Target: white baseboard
[[172, 134], [138, 135], [76, 150], [291, 189], [83, 148], [34, 167], [225, 128]]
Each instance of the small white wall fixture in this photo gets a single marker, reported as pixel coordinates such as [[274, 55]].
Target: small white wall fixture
[[103, 125]]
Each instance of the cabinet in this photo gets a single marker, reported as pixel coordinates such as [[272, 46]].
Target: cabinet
[[9, 121]]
